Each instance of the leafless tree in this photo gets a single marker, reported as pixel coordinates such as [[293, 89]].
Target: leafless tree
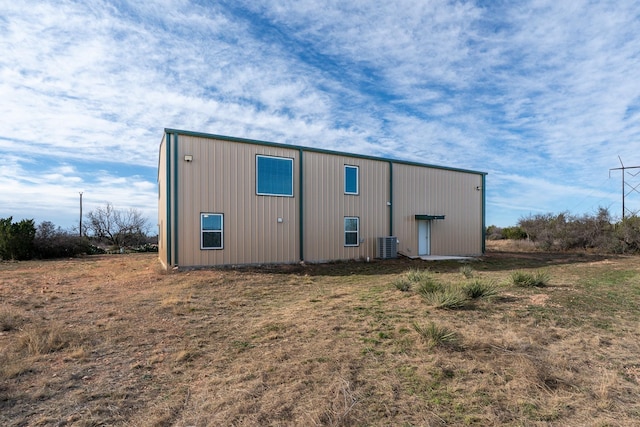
[[117, 227]]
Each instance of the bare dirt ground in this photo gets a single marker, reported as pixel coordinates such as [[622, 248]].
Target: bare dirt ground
[[115, 340]]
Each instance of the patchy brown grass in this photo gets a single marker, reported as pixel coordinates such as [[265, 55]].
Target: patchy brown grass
[[114, 340]]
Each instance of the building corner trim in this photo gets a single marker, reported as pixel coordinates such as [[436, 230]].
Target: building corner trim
[[484, 214], [301, 205], [169, 223]]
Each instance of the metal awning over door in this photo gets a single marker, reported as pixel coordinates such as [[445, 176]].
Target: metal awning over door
[[425, 217]]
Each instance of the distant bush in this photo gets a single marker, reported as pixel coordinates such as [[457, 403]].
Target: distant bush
[[52, 242], [96, 250], [147, 247], [496, 233], [16, 239], [514, 233], [599, 232]]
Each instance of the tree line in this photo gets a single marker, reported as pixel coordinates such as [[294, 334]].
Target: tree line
[[600, 232], [105, 228]]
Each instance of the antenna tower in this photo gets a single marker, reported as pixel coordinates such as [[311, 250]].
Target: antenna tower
[[628, 187]]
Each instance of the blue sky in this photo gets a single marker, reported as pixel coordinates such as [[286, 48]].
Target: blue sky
[[542, 95]]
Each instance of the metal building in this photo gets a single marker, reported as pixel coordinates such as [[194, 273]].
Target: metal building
[[233, 201]]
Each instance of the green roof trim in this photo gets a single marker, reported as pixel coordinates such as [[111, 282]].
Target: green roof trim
[[315, 150], [429, 217]]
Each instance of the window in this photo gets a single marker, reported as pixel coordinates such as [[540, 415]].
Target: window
[[350, 179], [211, 231], [351, 231], [274, 176]]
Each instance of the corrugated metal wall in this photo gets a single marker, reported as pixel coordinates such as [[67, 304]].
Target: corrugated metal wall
[[423, 190], [326, 205], [221, 179]]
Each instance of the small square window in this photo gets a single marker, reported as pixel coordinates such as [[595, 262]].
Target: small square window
[[274, 176], [211, 231], [351, 179], [351, 231]]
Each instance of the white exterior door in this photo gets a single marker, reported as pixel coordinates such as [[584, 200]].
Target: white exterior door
[[424, 238]]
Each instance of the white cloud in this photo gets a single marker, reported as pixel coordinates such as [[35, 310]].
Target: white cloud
[[542, 94]]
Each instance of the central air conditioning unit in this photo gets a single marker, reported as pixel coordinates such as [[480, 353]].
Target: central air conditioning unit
[[387, 247]]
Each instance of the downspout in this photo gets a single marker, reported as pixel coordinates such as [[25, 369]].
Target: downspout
[[484, 225], [391, 198], [301, 208], [175, 198], [168, 190]]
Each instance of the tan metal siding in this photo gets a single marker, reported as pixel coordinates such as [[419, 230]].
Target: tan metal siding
[[221, 179], [423, 190], [326, 206]]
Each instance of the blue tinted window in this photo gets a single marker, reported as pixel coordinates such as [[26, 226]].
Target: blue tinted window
[[274, 176], [211, 222], [350, 179], [211, 231]]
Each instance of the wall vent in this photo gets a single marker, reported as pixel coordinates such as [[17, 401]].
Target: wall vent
[[387, 247]]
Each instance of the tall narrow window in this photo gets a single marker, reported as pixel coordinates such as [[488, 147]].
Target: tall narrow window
[[211, 231], [351, 231], [274, 176], [350, 179]]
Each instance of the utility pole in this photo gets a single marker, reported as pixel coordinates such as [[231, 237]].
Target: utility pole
[[633, 188], [81, 214]]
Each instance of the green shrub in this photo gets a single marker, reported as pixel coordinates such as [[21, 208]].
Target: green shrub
[[16, 239], [434, 335], [479, 289], [528, 280], [514, 233]]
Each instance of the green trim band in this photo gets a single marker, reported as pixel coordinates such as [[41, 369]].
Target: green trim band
[[484, 214], [168, 195], [390, 198], [175, 199]]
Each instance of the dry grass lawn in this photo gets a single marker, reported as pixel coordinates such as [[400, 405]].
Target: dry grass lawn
[[114, 340]]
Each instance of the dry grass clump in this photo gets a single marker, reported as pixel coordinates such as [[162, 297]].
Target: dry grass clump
[[10, 319], [467, 271], [38, 339], [480, 289], [443, 295], [447, 298], [436, 336], [523, 279]]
